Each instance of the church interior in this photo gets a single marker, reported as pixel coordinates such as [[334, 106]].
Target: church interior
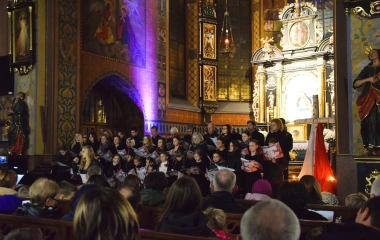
[[116, 65]]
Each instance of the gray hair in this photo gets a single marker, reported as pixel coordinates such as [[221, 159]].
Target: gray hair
[[94, 170], [270, 220], [199, 136], [174, 130], [224, 180], [375, 189]]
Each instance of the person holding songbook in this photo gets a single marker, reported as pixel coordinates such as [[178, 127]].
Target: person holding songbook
[[115, 167], [198, 170], [217, 160], [252, 165], [274, 166], [180, 162], [164, 165]]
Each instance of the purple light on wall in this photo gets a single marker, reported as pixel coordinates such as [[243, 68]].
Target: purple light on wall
[[145, 80]]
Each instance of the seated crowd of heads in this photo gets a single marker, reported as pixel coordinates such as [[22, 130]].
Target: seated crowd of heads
[[184, 210], [209, 165]]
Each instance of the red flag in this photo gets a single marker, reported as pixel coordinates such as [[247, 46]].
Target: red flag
[[322, 169]]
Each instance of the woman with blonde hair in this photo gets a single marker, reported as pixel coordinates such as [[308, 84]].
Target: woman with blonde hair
[[148, 144], [217, 222], [114, 217], [88, 160], [355, 200], [313, 189], [78, 143]]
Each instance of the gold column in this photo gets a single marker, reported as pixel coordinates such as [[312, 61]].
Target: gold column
[[278, 94], [322, 92], [261, 98]]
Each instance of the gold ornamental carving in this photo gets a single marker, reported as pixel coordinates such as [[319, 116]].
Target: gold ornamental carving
[[372, 176]]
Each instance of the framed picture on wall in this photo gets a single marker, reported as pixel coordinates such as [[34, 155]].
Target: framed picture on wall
[[21, 30], [298, 131]]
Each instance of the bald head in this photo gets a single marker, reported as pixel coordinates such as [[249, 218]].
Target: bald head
[[224, 180], [270, 220], [375, 188]]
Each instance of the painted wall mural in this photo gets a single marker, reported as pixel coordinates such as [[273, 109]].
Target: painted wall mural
[[115, 29], [67, 71], [364, 35]]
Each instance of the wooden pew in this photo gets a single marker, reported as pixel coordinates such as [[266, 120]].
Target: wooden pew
[[153, 235], [53, 229], [148, 217], [347, 213]]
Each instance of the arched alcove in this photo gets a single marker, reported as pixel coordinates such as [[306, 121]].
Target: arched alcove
[[111, 102]]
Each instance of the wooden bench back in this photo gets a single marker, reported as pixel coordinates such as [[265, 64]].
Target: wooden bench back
[[347, 213], [53, 229]]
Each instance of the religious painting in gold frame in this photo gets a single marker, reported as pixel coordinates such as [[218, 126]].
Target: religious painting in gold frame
[[209, 82], [209, 40], [299, 34], [21, 29], [298, 131]]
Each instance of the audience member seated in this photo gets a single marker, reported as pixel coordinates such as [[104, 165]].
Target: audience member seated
[[93, 170], [223, 187], [98, 180], [261, 191], [74, 201], [66, 191], [133, 181], [8, 195], [132, 195], [366, 226], [25, 234], [102, 213], [330, 199], [269, 220], [217, 222], [153, 193], [355, 200], [375, 188], [42, 202], [313, 189], [294, 194], [182, 212], [23, 191]]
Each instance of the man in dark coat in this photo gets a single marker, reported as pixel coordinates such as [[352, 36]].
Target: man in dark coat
[[223, 187], [255, 134]]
